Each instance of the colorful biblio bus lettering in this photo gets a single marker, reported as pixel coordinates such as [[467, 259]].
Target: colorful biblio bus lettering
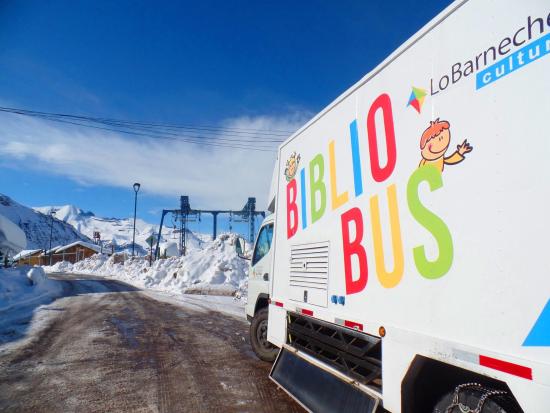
[[319, 176]]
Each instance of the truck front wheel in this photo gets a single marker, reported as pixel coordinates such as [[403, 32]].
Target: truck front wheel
[[258, 337]]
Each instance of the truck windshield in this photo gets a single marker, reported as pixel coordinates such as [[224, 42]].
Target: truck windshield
[[263, 244]]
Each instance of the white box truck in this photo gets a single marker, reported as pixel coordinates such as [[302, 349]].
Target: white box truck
[[406, 266]]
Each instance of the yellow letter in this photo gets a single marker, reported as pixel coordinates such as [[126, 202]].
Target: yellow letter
[[337, 200], [387, 279]]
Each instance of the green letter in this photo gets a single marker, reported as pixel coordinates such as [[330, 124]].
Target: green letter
[[317, 185], [430, 221]]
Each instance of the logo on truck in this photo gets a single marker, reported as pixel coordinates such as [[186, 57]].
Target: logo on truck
[[305, 207], [498, 60], [416, 100]]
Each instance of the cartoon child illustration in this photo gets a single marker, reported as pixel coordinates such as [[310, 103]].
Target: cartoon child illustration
[[434, 143], [292, 166]]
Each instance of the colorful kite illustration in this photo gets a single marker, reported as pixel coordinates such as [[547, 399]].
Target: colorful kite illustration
[[416, 100]]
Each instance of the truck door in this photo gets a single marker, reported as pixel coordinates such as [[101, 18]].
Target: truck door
[[261, 259], [258, 285]]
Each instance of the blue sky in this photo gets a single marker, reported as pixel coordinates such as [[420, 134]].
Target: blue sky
[[250, 64]]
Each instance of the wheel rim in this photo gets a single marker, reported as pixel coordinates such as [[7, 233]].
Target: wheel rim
[[261, 335]]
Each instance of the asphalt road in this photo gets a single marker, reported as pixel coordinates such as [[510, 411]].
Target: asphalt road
[[121, 350]]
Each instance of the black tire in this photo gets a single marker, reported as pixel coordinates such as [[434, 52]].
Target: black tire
[[258, 337], [470, 395]]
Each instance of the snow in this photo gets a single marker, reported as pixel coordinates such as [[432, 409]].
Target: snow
[[223, 304], [25, 253], [61, 266], [23, 284], [21, 291], [169, 249], [213, 268], [74, 244], [211, 277]]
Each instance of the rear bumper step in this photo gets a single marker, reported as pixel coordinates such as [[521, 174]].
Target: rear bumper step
[[355, 354], [318, 387]]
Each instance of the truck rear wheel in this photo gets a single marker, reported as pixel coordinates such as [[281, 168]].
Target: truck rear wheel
[[258, 337], [475, 398]]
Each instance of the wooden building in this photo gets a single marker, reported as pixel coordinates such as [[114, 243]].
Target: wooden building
[[77, 251], [29, 257]]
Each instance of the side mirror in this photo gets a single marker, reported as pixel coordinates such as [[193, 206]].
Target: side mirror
[[240, 248]]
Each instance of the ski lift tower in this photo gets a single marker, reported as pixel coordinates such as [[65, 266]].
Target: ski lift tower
[[247, 214]]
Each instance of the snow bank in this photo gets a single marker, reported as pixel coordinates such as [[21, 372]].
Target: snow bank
[[213, 269], [61, 266], [24, 285], [22, 290]]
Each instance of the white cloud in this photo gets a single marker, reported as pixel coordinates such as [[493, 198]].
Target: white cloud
[[289, 122], [210, 175]]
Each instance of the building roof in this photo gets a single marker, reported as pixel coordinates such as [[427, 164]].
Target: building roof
[[53, 250], [25, 253], [77, 243]]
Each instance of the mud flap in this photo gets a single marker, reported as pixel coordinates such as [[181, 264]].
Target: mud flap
[[317, 389]]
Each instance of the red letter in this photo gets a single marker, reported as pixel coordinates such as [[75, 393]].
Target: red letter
[[291, 209], [354, 248], [380, 174]]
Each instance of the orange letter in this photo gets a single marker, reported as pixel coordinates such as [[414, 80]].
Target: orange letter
[[387, 279]]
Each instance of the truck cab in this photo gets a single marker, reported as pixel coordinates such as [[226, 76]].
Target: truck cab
[[258, 291]]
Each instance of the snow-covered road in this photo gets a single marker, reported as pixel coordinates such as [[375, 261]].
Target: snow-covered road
[[108, 346]]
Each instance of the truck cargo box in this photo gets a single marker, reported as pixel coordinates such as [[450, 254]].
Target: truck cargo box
[[415, 208]]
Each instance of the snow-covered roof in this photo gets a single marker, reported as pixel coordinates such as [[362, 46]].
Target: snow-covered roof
[[25, 253], [82, 244], [53, 250]]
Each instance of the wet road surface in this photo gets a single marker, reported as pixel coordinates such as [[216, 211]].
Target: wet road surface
[[121, 350]]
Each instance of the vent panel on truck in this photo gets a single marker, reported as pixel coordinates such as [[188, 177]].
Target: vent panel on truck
[[309, 273]]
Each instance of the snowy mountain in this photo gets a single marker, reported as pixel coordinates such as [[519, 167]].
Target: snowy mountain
[[116, 230], [37, 225]]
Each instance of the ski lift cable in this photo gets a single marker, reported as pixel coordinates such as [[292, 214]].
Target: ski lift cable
[[217, 137], [249, 136], [169, 136], [195, 141], [255, 131], [226, 132]]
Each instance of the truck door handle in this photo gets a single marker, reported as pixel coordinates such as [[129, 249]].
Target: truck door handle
[[266, 277]]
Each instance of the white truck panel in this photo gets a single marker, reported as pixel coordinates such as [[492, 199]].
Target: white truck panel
[[276, 325]]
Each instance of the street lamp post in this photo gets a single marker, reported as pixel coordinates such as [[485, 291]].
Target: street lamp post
[[136, 189], [52, 213]]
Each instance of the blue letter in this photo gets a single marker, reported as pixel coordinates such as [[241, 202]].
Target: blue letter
[[357, 178], [303, 195]]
